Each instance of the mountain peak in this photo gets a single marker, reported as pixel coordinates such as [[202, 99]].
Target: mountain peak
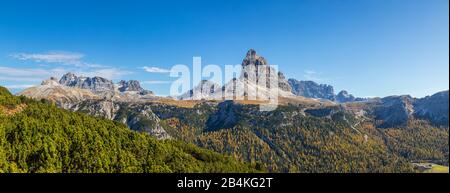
[[132, 85], [95, 84], [312, 89], [344, 96], [251, 53], [252, 58], [51, 81]]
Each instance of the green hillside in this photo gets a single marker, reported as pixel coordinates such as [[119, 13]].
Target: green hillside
[[39, 137]]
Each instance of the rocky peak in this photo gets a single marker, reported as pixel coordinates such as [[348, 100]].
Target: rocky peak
[[253, 67], [253, 59], [133, 86], [344, 96], [68, 79]]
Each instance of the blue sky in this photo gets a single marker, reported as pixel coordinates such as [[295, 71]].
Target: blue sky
[[368, 47]]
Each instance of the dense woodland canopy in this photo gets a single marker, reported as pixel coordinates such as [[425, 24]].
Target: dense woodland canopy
[[36, 136]]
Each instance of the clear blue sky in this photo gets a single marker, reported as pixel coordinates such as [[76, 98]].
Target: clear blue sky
[[368, 47]]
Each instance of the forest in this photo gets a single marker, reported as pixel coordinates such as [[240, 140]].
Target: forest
[[37, 136], [285, 140]]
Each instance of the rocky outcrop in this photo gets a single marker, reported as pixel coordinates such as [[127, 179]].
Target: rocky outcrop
[[311, 89]]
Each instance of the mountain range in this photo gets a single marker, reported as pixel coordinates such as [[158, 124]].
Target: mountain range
[[312, 130]]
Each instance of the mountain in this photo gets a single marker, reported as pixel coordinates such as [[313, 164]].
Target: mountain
[[311, 89], [72, 89], [394, 111], [95, 84], [255, 66], [64, 96], [433, 108], [398, 111], [256, 79], [402, 108], [133, 86], [344, 97], [102, 86], [64, 141], [255, 82]]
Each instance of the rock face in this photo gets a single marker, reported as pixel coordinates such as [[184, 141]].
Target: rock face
[[311, 89], [433, 108]]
